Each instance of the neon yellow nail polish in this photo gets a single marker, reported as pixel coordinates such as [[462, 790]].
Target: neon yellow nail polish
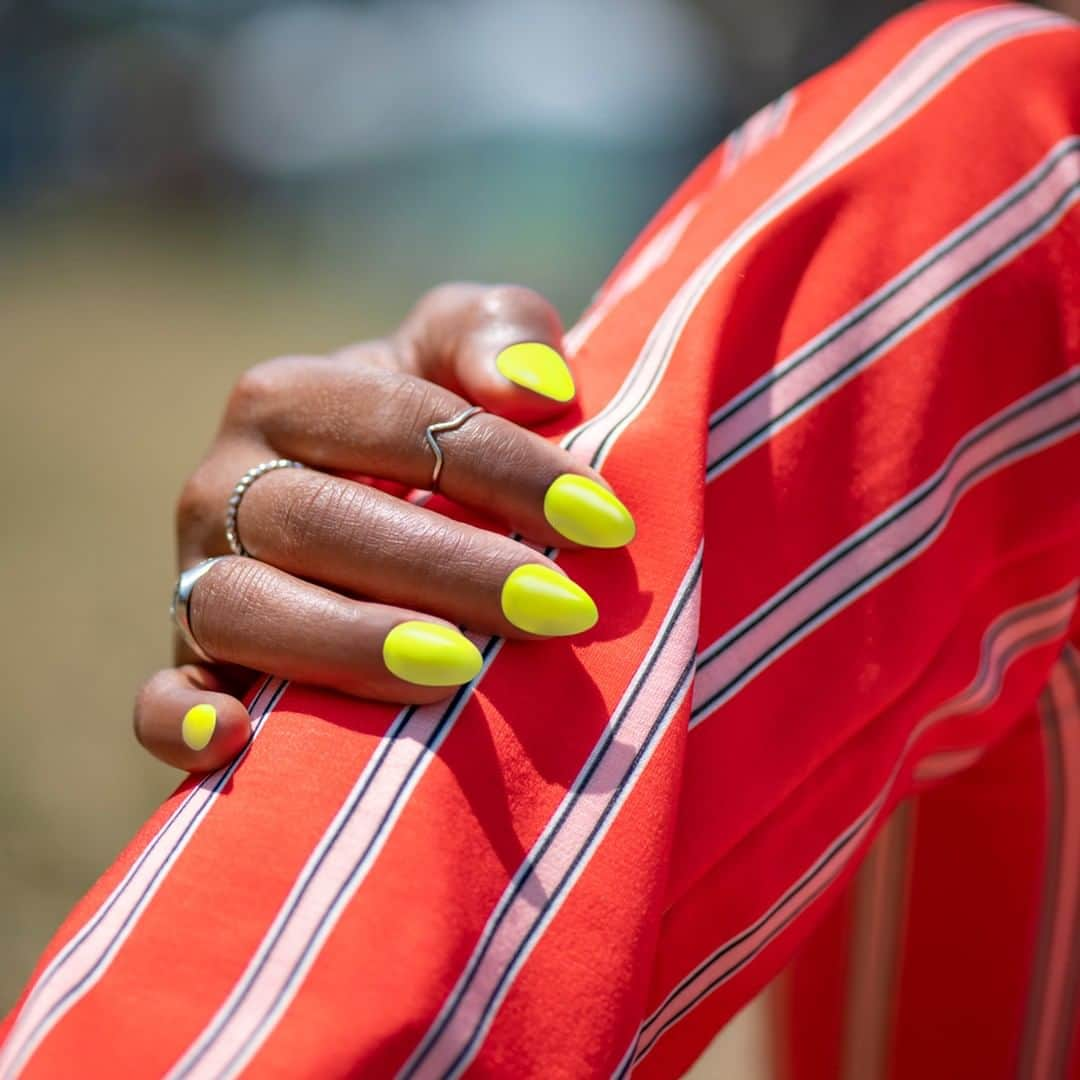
[[587, 513], [538, 368], [541, 601], [198, 726], [428, 654]]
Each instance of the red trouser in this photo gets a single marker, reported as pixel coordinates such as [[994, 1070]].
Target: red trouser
[[864, 314]]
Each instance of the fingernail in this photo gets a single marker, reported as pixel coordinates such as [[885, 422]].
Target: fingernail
[[429, 654], [542, 601], [537, 367], [587, 513], [198, 726]]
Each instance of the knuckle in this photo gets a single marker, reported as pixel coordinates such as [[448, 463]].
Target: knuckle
[[231, 593], [259, 389], [508, 303], [145, 697], [197, 505], [411, 401], [469, 553], [321, 509], [448, 296]]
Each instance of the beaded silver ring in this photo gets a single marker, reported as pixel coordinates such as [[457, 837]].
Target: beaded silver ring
[[237, 495]]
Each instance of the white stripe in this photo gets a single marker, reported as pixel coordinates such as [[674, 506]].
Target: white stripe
[[323, 889], [331, 875], [978, 697], [562, 851], [975, 250], [888, 543], [1061, 710], [81, 964], [909, 78], [994, 27], [1029, 625], [623, 416], [662, 341], [653, 255]]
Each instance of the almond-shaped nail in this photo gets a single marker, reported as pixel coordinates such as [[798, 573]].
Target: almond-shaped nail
[[197, 728], [430, 654], [537, 367], [540, 600], [583, 511]]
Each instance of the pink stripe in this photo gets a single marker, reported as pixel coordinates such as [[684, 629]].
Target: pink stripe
[[758, 130], [796, 378], [1000, 638], [947, 763], [842, 583], [308, 916], [664, 339], [640, 371], [565, 857], [1066, 905], [875, 124], [919, 66], [651, 258], [72, 973]]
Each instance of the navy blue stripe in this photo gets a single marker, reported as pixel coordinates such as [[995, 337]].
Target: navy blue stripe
[[954, 289], [383, 750], [896, 512], [1050, 886], [526, 872], [74, 990], [958, 492], [89, 927], [811, 179], [1030, 640], [625, 391], [815, 176], [916, 270], [1069, 1011], [844, 839], [669, 703], [380, 756]]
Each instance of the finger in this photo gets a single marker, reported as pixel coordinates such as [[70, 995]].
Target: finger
[[497, 346], [245, 612], [365, 420], [184, 717], [357, 539]]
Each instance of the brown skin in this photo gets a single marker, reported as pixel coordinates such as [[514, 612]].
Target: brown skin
[[317, 541]]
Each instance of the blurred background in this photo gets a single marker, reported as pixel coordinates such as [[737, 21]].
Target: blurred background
[[190, 186]]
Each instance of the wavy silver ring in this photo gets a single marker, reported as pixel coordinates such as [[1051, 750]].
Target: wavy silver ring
[[245, 481], [179, 607], [434, 430]]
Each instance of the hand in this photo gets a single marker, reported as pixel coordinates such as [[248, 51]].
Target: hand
[[348, 586]]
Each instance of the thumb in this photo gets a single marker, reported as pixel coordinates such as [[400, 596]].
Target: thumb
[[498, 346]]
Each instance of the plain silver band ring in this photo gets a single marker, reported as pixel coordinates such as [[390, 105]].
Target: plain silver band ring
[[434, 430], [242, 485], [185, 583]]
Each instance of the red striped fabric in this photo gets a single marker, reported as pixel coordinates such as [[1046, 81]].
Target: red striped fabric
[[868, 332]]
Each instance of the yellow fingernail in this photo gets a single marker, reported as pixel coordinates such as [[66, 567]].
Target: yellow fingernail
[[429, 654], [542, 601], [198, 727], [587, 513], [538, 368]]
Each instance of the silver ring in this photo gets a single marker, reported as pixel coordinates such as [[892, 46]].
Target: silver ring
[[179, 607], [437, 429], [242, 485]]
